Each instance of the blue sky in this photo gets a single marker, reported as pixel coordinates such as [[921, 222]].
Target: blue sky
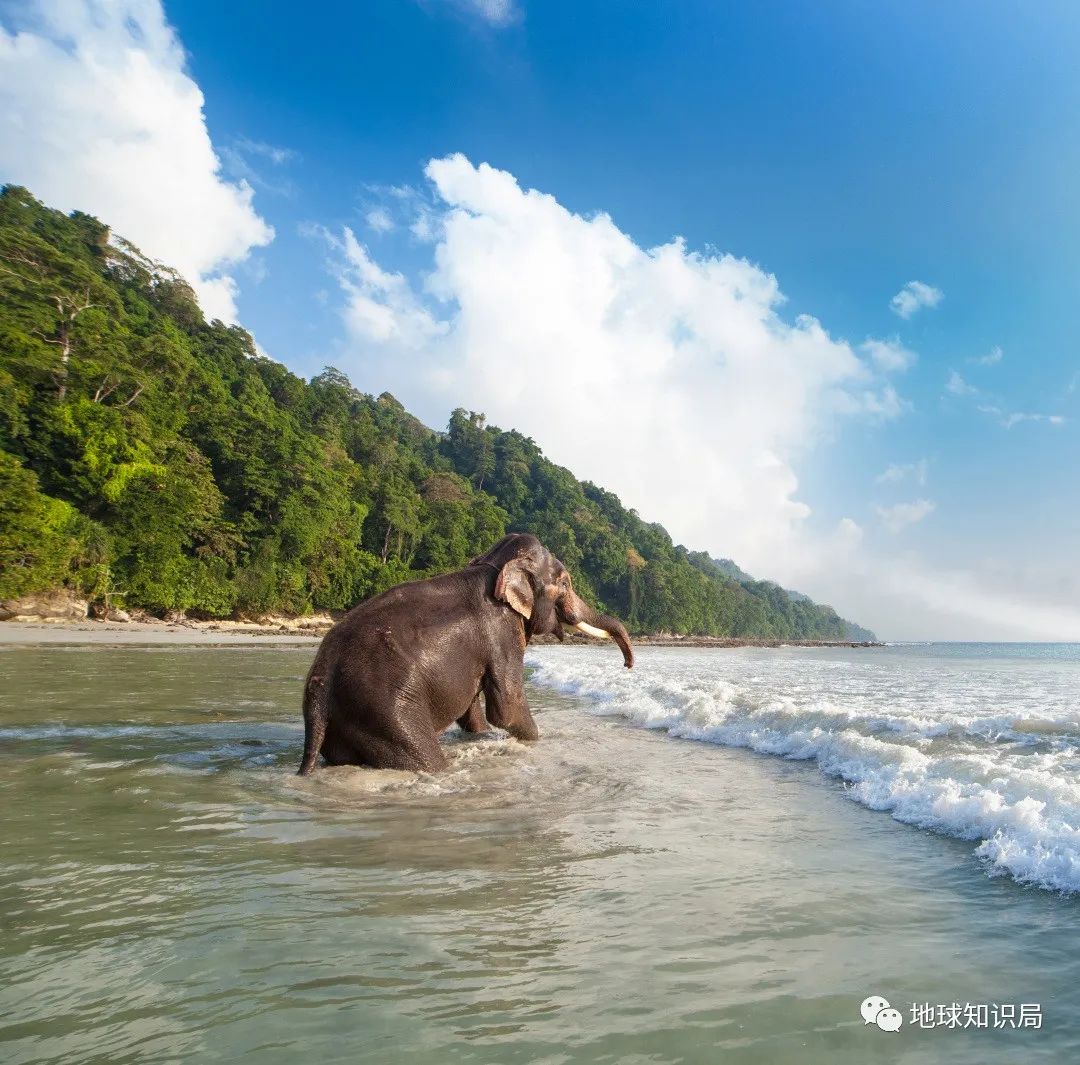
[[844, 148]]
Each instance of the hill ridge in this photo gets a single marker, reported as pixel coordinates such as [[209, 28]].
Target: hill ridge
[[150, 458]]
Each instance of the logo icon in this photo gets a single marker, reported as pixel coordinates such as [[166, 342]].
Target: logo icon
[[876, 1010]]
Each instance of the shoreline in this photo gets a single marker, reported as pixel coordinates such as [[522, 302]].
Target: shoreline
[[737, 641], [304, 631], [673, 849], [113, 633]]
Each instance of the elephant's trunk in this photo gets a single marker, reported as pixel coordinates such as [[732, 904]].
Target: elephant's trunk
[[587, 620]]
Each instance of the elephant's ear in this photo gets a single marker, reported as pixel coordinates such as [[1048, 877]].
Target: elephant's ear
[[514, 586]]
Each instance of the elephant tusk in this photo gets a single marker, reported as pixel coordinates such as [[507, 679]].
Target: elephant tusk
[[592, 630]]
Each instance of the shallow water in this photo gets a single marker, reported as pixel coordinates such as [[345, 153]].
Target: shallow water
[[977, 741], [171, 891]]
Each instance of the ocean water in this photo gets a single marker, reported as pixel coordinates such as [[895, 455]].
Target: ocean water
[[715, 857], [977, 741]]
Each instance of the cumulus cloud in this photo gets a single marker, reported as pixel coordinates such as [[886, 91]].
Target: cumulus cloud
[[667, 375], [913, 297], [97, 113], [899, 516], [899, 472]]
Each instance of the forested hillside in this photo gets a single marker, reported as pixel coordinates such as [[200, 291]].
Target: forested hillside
[[153, 459]]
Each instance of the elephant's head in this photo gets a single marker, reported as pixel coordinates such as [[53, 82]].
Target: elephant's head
[[534, 583]]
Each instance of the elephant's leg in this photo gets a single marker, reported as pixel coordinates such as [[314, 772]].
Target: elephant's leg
[[415, 754], [410, 745], [507, 707], [416, 750], [524, 727], [473, 720]]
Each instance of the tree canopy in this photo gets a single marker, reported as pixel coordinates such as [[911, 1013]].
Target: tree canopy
[[152, 458]]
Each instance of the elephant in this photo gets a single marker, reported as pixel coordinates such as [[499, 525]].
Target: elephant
[[400, 668]]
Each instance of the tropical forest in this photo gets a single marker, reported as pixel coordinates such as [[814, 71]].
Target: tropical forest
[[151, 459]]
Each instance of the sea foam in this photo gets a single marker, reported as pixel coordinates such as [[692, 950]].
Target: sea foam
[[987, 754]]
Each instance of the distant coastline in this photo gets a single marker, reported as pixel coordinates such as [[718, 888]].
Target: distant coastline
[[665, 640], [302, 630]]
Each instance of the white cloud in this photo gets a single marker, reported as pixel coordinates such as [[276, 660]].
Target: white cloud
[[378, 220], [381, 308], [98, 114], [628, 364], [890, 356], [901, 515], [424, 226], [272, 152], [246, 160], [914, 296], [667, 376], [989, 405], [848, 534], [957, 386], [899, 472], [883, 404], [906, 598], [387, 208], [991, 358], [1009, 420], [495, 12], [255, 269]]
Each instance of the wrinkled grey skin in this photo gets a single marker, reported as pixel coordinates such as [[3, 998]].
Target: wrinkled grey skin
[[402, 667]]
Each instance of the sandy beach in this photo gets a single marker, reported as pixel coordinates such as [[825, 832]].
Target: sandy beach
[[26, 633], [304, 631]]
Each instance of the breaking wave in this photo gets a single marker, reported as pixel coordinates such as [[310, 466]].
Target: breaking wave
[[986, 751]]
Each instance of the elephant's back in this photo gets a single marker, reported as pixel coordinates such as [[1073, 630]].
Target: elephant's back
[[407, 637]]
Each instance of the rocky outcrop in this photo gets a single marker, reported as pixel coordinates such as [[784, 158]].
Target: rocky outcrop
[[48, 606], [101, 612], [60, 606]]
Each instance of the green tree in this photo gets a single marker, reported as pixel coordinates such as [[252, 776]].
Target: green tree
[[151, 454], [42, 540]]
